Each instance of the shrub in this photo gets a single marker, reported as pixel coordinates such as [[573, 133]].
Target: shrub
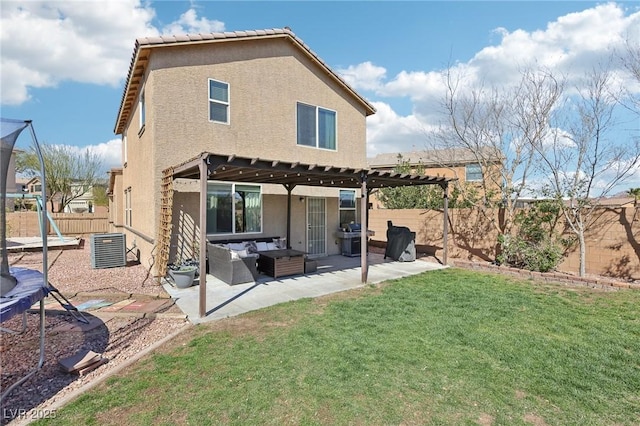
[[537, 246], [541, 256]]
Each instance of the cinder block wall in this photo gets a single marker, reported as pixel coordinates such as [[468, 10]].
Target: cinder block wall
[[613, 242]]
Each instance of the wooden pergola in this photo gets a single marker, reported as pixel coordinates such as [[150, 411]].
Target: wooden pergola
[[209, 166]]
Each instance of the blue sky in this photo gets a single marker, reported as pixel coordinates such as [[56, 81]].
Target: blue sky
[[64, 64]]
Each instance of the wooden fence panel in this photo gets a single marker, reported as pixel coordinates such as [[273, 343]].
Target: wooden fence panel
[[81, 223], [26, 224], [23, 224]]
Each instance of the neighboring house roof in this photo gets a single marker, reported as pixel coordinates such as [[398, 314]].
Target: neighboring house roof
[[439, 157], [616, 202], [144, 46], [116, 171], [33, 180]]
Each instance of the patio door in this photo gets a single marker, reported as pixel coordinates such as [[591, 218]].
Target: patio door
[[316, 226]]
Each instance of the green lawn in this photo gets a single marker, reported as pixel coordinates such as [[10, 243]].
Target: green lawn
[[444, 347]]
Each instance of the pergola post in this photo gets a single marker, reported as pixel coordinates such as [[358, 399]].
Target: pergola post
[[203, 238], [364, 207], [289, 188], [445, 225]]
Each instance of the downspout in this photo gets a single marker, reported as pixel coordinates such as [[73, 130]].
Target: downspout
[[204, 174]]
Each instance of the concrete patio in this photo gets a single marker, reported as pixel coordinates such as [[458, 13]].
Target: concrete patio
[[334, 274]]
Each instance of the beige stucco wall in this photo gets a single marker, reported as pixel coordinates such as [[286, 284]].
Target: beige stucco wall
[[116, 209], [266, 79], [274, 220]]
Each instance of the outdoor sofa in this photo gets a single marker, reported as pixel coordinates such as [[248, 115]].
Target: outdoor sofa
[[235, 262]]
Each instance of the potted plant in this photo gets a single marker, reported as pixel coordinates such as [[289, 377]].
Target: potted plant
[[184, 270], [183, 273]]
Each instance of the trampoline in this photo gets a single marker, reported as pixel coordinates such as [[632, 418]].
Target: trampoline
[[20, 288], [30, 289]]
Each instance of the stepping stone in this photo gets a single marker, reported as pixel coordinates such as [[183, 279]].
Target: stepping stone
[[117, 306], [145, 306], [89, 304]]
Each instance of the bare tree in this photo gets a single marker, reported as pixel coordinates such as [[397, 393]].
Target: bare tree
[[584, 162], [499, 126], [630, 59], [70, 174]]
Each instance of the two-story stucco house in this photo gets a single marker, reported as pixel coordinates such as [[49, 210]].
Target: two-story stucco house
[[258, 94]]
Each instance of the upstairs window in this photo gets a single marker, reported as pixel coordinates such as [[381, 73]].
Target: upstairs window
[[473, 173], [218, 101], [316, 127]]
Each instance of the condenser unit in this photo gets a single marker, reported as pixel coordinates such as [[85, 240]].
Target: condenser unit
[[108, 250]]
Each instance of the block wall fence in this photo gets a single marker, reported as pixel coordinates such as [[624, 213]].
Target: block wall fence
[[613, 242]]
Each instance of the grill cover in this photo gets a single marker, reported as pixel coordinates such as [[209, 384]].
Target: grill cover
[[401, 243]]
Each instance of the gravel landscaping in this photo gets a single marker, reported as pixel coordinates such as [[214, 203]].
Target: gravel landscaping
[[119, 336]]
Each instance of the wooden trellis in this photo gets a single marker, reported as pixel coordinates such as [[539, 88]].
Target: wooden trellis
[[165, 221]]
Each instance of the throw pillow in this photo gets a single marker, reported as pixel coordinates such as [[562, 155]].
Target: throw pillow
[[281, 243], [236, 246], [251, 247]]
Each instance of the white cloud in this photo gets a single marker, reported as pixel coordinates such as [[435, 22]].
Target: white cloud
[[110, 152], [188, 23], [364, 76], [570, 46], [44, 43], [390, 132]]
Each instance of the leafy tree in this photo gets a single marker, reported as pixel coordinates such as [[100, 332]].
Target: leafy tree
[[419, 196], [69, 173], [100, 197], [410, 197]]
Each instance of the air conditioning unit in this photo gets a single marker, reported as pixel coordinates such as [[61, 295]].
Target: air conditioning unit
[[108, 250]]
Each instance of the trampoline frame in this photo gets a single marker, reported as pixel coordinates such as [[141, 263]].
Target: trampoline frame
[[45, 263]]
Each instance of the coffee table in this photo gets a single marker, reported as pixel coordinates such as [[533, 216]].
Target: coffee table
[[278, 263]]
